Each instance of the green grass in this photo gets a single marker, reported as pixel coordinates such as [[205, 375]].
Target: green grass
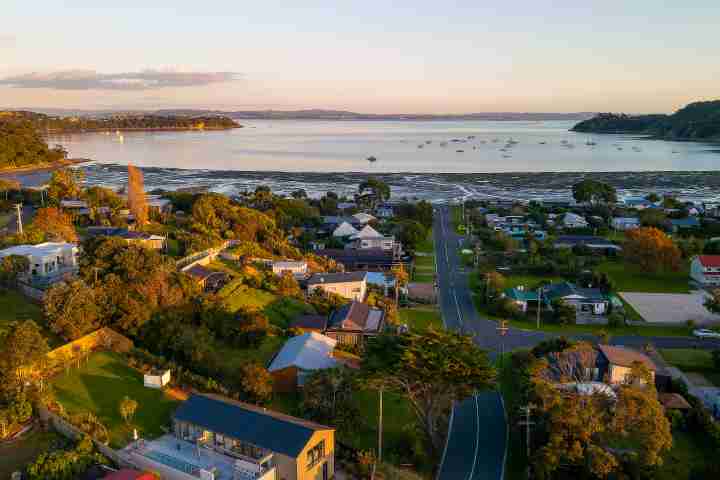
[[16, 307], [693, 361], [530, 281], [4, 219], [98, 387], [280, 311], [421, 319], [427, 245], [630, 278], [16, 455], [233, 357], [424, 269], [689, 451]]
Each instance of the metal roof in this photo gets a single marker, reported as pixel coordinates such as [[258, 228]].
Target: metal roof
[[263, 428], [311, 351]]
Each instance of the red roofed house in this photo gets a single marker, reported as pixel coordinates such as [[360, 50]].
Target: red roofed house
[[705, 269]]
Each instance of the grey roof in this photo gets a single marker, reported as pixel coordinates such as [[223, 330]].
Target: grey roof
[[566, 289], [311, 351], [584, 240], [356, 316], [263, 428], [342, 277]]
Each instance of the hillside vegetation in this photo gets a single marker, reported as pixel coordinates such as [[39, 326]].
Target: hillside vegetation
[[21, 145], [696, 121]]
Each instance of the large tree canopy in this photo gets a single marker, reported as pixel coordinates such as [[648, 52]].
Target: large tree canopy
[[594, 192], [21, 145], [431, 370]]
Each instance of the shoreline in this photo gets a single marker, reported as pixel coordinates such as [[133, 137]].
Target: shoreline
[[154, 129], [42, 167]]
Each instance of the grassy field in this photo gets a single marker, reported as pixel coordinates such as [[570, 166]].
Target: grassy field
[[234, 358], [280, 311], [421, 318], [424, 269], [693, 361], [689, 451], [629, 278], [100, 385], [16, 455]]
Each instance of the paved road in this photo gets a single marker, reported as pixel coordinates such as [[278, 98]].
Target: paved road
[[469, 428]]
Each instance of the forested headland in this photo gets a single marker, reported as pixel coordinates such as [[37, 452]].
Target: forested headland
[[698, 121]]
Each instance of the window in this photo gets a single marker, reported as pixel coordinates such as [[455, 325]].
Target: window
[[316, 454], [585, 307]]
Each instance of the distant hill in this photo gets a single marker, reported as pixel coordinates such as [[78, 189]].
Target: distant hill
[[121, 121], [697, 121], [319, 114]]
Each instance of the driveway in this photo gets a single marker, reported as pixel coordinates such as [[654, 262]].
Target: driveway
[[671, 308]]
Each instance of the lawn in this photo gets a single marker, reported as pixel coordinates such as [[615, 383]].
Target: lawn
[[16, 455], [16, 307], [424, 269], [280, 311], [233, 358], [100, 385], [421, 318], [693, 361], [427, 245], [689, 451], [629, 278]]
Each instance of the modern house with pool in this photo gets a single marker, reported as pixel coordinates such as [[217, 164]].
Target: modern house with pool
[[217, 438]]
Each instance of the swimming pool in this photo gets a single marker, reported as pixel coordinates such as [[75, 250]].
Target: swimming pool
[[173, 462]]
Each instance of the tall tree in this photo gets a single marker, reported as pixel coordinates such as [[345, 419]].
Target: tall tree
[[328, 397], [7, 184], [127, 408], [136, 195], [431, 369], [65, 183], [55, 225], [23, 347], [651, 249], [594, 192]]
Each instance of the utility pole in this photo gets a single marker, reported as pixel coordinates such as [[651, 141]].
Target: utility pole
[[380, 426], [18, 207], [527, 423], [539, 305], [502, 328]]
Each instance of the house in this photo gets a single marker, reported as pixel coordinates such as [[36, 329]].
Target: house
[[705, 270], [156, 378], [345, 230], [597, 244], [625, 223], [260, 443], [521, 297], [573, 220], [297, 268], [369, 238], [148, 240], [588, 302], [309, 323], [678, 224], [364, 218], [350, 285], [299, 357], [615, 363], [49, 260], [347, 206], [209, 280], [352, 323], [638, 203], [361, 259], [385, 211]]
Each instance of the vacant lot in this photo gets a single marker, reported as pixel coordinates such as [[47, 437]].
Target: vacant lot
[[670, 308], [100, 385], [629, 278], [421, 318]]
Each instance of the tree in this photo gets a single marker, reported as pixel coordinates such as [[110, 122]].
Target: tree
[[287, 285], [652, 197], [256, 382], [7, 184], [651, 250], [328, 397], [11, 267], [65, 183], [136, 195], [23, 348], [431, 369], [712, 303], [73, 309], [401, 279], [127, 408], [378, 191], [412, 233], [55, 225], [564, 313], [594, 192], [652, 217]]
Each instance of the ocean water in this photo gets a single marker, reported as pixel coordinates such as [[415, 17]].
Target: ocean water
[[417, 147], [438, 161]]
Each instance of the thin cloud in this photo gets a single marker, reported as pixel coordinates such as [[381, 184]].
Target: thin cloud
[[91, 80]]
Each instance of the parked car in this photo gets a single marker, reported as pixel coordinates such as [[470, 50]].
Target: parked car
[[705, 333]]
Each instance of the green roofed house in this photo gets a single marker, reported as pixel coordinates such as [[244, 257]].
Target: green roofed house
[[217, 438], [521, 296]]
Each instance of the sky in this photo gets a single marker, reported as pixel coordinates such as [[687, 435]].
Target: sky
[[374, 56]]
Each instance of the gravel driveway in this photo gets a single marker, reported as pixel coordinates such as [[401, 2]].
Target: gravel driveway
[[671, 308]]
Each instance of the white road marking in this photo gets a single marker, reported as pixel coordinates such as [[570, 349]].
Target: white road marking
[[477, 437]]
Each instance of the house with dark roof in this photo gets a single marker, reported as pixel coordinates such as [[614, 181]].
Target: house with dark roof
[[596, 244], [275, 445], [350, 285], [368, 259], [351, 324], [679, 224], [310, 323], [588, 302], [210, 280]]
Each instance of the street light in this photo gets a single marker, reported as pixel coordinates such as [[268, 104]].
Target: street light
[[502, 329]]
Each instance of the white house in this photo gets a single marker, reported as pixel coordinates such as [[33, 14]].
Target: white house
[[297, 268], [363, 218], [369, 238], [705, 269], [573, 220], [351, 285], [47, 259], [156, 378], [344, 230], [625, 223]]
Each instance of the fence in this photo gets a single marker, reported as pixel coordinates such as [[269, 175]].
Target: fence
[[202, 258], [104, 337]]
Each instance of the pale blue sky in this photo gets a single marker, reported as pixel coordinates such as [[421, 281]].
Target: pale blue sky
[[370, 56]]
